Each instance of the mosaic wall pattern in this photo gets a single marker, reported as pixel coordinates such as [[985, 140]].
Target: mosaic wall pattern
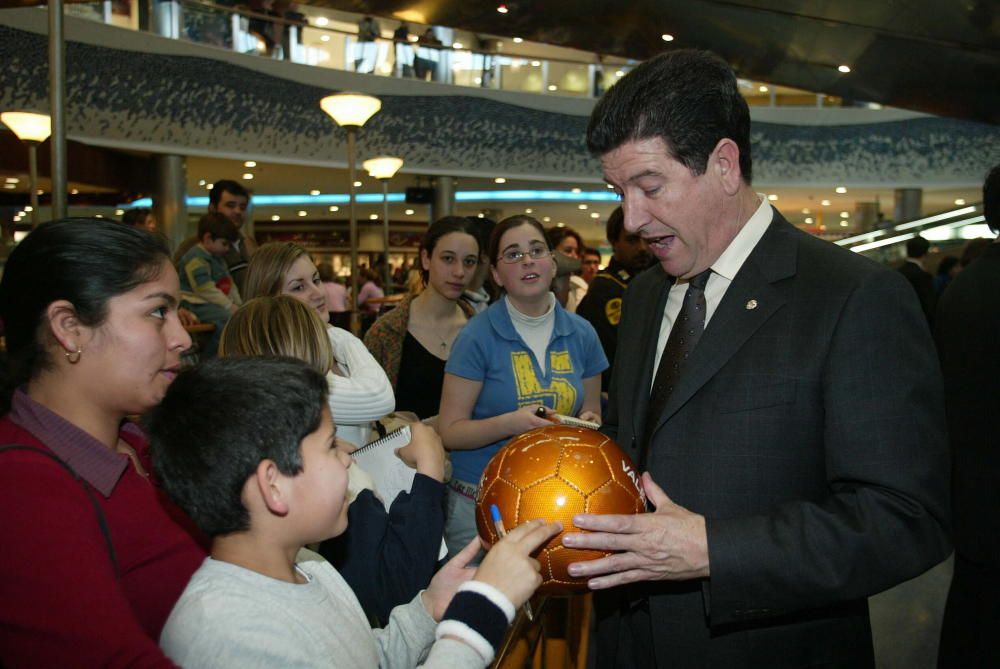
[[194, 104]]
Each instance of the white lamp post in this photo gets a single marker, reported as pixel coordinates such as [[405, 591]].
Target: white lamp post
[[384, 168], [32, 129], [351, 111]]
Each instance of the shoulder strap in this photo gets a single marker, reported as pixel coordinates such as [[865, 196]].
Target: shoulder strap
[[101, 520]]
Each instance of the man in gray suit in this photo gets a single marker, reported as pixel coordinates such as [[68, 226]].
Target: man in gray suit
[[795, 419]]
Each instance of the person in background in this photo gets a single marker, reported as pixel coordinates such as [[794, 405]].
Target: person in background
[[386, 557], [602, 306], [921, 280], [413, 341], [523, 353], [94, 556], [403, 51], [568, 242], [967, 330], [367, 50], [973, 249], [230, 199], [269, 483], [360, 392], [141, 218], [206, 286], [371, 288], [947, 270], [336, 296], [479, 293], [590, 260]]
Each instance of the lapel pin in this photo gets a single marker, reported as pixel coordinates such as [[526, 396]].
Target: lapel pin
[[752, 304]]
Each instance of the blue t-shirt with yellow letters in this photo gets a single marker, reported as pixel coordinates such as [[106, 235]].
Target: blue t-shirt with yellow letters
[[489, 350]]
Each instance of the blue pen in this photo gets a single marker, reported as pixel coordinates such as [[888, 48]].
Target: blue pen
[[501, 533]]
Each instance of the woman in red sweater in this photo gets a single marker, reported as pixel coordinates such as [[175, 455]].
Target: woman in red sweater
[[93, 556]]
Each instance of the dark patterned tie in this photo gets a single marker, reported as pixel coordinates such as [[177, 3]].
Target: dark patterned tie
[[684, 336]]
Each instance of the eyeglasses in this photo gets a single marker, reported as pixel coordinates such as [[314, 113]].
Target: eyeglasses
[[512, 256]]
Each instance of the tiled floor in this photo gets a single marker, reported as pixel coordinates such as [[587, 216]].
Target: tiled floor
[[906, 620]]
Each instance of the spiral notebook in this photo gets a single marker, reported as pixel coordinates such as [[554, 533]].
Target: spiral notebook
[[392, 476]]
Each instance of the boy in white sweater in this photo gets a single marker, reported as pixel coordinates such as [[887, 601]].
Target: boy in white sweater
[[246, 448]]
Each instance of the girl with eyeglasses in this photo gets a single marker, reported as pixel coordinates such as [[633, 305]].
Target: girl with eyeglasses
[[525, 352], [413, 341]]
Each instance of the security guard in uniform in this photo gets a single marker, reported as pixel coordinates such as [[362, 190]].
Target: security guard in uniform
[[602, 305]]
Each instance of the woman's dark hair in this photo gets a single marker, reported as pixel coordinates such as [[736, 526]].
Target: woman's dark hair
[[446, 226], [85, 261], [326, 274], [136, 217], [555, 235], [507, 224]]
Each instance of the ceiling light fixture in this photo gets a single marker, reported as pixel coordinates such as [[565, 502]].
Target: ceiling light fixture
[[844, 68], [314, 191], [499, 180], [772, 197], [825, 203], [250, 163], [841, 189], [667, 37], [502, 9], [248, 176], [960, 201], [276, 218], [518, 40]]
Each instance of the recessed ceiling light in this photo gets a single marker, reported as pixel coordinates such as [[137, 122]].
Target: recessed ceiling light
[[9, 186], [553, 87], [667, 37], [841, 189], [209, 186], [772, 197], [595, 215], [372, 217], [806, 211], [844, 214], [546, 219], [334, 208], [844, 68], [118, 212], [324, 38], [250, 163], [302, 213], [518, 40], [40, 191], [809, 220], [575, 190], [74, 192], [581, 206], [12, 180], [529, 210], [560, 224], [502, 9], [30, 208], [620, 73], [276, 218], [314, 192], [762, 89], [536, 63], [248, 176], [321, 21], [477, 80], [825, 203], [844, 224], [99, 216], [610, 187], [409, 212], [480, 215], [960, 201], [357, 184], [201, 182], [499, 180], [457, 45]]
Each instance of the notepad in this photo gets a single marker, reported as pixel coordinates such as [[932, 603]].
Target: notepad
[[573, 422], [392, 476]]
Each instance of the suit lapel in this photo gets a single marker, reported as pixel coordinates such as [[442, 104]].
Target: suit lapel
[[749, 302], [652, 307]]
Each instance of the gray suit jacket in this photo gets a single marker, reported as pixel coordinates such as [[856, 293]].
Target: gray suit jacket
[[808, 429]]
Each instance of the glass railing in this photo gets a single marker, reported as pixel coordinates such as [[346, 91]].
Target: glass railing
[[330, 39]]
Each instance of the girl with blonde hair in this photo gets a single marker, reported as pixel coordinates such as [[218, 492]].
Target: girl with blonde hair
[[360, 392]]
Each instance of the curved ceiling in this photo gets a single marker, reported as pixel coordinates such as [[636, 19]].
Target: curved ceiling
[[936, 56]]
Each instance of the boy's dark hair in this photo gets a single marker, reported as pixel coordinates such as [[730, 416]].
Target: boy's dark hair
[[687, 98], [229, 186], [589, 251], [220, 420], [991, 199], [218, 226], [615, 226]]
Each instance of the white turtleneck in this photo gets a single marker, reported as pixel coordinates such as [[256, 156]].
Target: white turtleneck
[[536, 331]]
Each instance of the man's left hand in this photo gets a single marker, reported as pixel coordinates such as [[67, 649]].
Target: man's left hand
[[669, 544]]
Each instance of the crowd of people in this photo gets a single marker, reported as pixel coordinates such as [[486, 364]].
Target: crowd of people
[[783, 398]]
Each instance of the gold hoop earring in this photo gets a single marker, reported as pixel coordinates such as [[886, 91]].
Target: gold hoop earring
[[73, 357]]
